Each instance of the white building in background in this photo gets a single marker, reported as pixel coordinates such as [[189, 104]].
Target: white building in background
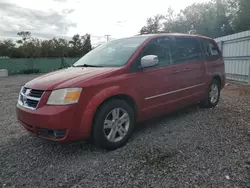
[[236, 52]]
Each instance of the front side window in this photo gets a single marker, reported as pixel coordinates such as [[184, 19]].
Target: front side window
[[162, 48], [187, 49], [112, 54]]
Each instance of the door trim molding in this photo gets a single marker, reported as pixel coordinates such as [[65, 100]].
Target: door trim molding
[[175, 91]]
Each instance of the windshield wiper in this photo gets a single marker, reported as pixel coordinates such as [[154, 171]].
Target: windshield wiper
[[86, 65]]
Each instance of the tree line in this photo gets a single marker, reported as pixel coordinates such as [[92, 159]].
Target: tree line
[[30, 47], [214, 18]]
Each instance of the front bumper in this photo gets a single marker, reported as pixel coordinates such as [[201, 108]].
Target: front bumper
[[57, 123]]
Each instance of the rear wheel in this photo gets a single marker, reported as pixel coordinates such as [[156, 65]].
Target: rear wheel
[[113, 124], [213, 95]]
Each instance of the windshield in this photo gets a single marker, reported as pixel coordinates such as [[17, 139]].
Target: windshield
[[112, 54]]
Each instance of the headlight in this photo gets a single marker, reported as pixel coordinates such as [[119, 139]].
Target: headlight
[[64, 96]]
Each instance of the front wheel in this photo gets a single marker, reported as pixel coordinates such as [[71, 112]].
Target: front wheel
[[113, 124], [213, 95]]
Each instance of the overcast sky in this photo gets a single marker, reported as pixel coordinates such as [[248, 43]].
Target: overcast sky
[[59, 18]]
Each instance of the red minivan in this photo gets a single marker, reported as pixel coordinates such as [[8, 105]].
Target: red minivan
[[120, 83]]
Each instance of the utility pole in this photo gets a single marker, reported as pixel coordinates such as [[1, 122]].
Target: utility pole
[[107, 37]]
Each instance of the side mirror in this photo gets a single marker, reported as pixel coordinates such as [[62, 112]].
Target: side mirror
[[149, 61]]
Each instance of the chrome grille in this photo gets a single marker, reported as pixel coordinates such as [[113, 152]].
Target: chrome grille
[[30, 98]]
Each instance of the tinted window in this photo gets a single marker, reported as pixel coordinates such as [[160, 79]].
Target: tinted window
[[112, 54], [211, 50], [187, 49], [161, 47]]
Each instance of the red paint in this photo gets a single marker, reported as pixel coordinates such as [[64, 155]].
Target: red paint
[[100, 84]]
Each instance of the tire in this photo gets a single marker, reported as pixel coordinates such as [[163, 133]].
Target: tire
[[106, 113], [210, 102]]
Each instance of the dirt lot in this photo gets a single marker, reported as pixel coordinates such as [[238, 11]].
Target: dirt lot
[[193, 148]]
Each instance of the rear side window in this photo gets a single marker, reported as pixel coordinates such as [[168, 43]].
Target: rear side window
[[211, 50], [187, 49]]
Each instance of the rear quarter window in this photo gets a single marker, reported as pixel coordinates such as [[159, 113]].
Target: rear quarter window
[[211, 50]]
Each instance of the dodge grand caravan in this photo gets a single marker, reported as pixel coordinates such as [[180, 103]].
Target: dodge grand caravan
[[120, 83]]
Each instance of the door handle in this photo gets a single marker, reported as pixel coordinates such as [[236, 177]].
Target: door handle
[[175, 71], [187, 69]]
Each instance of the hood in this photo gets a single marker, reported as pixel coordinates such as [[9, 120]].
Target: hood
[[67, 77]]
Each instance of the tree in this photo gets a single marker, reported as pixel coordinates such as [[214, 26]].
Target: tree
[[6, 48], [153, 25], [25, 35], [80, 45], [209, 19], [241, 21], [30, 47], [213, 19], [87, 44]]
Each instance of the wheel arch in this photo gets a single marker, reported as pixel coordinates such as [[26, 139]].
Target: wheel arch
[[125, 97], [218, 79]]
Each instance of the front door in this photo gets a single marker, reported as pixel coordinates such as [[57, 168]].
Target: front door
[[157, 85]]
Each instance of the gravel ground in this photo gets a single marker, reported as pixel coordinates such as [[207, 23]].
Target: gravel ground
[[190, 148]]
